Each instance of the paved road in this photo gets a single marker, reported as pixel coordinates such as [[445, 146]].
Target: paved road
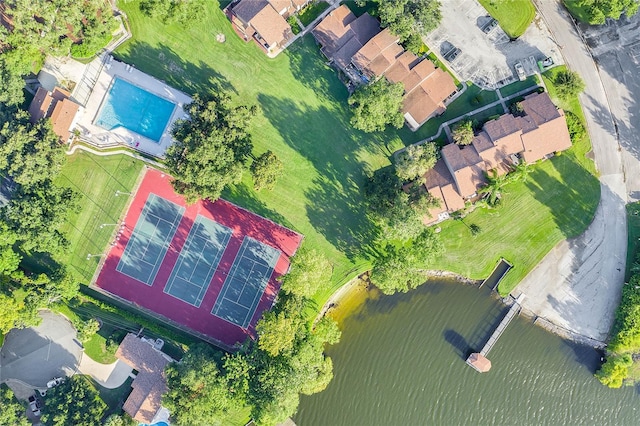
[[38, 354], [577, 285]]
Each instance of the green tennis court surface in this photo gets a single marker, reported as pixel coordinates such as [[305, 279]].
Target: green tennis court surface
[[150, 239], [198, 261], [246, 281]]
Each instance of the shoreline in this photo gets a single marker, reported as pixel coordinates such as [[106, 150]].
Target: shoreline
[[361, 283]]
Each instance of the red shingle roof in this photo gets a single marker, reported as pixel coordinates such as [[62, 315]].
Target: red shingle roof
[[150, 384], [56, 106]]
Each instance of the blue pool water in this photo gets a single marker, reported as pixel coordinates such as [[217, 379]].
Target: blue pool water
[[136, 109]]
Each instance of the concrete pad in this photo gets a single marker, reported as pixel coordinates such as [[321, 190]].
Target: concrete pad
[[38, 354], [488, 59], [110, 376], [98, 88]]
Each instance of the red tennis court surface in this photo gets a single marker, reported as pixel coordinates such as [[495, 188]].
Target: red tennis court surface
[[151, 296]]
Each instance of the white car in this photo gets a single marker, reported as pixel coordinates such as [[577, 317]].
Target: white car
[[55, 382], [34, 405]]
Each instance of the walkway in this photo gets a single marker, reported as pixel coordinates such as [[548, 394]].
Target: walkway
[[577, 285], [104, 153], [110, 376], [446, 125]]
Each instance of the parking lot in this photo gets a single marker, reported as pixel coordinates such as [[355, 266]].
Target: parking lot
[[485, 55]]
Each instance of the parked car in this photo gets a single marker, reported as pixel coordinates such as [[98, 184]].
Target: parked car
[[520, 71], [54, 382], [34, 404], [490, 26]]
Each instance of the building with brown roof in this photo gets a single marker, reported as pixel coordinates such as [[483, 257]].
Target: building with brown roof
[[150, 383], [57, 106], [341, 34], [264, 21], [539, 133]]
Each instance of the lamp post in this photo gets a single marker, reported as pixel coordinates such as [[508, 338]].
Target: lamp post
[[119, 193], [108, 224], [89, 255]]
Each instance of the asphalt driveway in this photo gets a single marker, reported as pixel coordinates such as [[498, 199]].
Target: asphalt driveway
[[38, 354]]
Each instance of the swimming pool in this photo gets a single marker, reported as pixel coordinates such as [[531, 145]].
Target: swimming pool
[[129, 106]]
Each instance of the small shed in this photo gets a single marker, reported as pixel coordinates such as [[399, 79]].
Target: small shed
[[479, 362]]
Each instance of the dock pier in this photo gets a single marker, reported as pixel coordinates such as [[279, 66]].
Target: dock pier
[[479, 360]]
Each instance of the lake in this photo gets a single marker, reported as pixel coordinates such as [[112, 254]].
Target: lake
[[401, 362]]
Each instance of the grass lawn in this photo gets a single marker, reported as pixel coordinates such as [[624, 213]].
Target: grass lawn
[[473, 98], [557, 201], [514, 16], [312, 11], [303, 118], [96, 349], [96, 179], [114, 398], [517, 86]]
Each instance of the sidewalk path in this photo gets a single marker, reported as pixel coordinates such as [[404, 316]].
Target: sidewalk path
[[577, 285], [110, 376]]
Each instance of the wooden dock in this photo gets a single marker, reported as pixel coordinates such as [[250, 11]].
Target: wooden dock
[[480, 357]]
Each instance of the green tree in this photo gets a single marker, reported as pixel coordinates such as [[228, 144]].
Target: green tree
[[198, 392], [599, 10], [266, 169], [88, 329], [377, 105], [398, 212], [615, 370], [279, 328], [462, 133], [575, 126], [568, 84], [119, 420], [496, 183], [211, 147], [37, 213], [310, 271], [11, 410], [29, 153], [74, 402], [407, 17], [402, 268], [415, 161]]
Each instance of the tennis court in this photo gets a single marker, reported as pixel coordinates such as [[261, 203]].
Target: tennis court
[[150, 239], [198, 261], [246, 282]]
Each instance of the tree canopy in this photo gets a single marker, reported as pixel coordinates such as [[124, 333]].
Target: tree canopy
[[600, 10], [408, 17], [199, 389], [11, 410], [266, 169], [74, 402], [402, 268], [568, 84], [309, 272], [212, 146], [462, 133], [377, 105], [415, 161], [48, 27], [204, 386], [397, 212]]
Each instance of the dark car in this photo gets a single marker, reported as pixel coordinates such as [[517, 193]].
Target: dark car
[[489, 26]]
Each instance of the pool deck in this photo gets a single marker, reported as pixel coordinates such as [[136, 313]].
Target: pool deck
[[102, 138]]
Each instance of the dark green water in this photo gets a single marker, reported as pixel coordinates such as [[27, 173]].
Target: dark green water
[[401, 362]]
